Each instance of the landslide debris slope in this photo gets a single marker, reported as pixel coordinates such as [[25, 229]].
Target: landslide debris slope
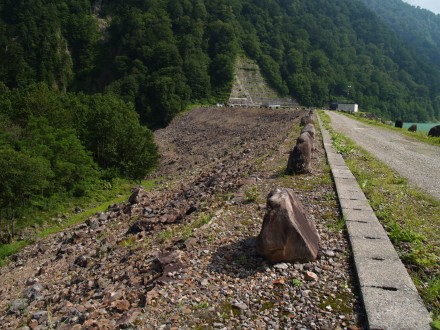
[[182, 255]]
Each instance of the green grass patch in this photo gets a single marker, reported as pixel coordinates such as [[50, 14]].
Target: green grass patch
[[184, 231], [410, 217], [7, 250]]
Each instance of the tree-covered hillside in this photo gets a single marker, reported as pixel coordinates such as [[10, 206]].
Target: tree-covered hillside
[[161, 55], [418, 27]]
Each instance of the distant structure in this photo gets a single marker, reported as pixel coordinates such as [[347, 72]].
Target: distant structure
[[271, 105], [346, 107]]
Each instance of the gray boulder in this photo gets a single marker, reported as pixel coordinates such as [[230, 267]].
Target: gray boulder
[[287, 234], [136, 196]]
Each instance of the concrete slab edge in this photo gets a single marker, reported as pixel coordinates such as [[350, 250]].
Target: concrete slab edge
[[389, 296]]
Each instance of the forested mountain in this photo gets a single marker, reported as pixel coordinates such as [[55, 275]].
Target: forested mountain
[[83, 75], [419, 27], [161, 55]]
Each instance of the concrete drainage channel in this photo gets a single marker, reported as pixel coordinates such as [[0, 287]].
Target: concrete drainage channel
[[390, 297]]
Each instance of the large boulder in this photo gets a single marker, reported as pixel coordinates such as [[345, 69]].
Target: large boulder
[[136, 196], [306, 120], [287, 234], [413, 128], [399, 123], [300, 158], [435, 131], [309, 128]]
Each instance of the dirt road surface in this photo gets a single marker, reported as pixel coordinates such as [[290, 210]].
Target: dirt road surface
[[416, 161]]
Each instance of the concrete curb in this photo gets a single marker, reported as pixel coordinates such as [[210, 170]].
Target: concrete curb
[[390, 298]]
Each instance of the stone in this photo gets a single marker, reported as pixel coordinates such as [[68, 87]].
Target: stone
[[306, 120], [121, 305], [309, 128], [40, 316], [82, 260], [33, 324], [136, 196], [435, 131], [282, 266], [412, 128], [128, 319], [140, 226], [240, 306], [287, 235], [18, 305], [310, 276], [300, 158], [33, 292]]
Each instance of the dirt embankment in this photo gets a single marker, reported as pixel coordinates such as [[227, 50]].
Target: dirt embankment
[[147, 264]]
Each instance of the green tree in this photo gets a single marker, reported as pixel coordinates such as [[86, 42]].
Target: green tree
[[23, 178]]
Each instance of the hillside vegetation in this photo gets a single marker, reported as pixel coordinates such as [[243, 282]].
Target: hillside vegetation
[[162, 55], [419, 27]]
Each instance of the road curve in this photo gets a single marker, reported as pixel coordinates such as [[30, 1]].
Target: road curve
[[417, 161]]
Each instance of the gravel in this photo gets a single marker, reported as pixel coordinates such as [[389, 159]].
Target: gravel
[[117, 271], [416, 161]]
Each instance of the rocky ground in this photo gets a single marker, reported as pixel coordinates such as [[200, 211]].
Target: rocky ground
[[182, 255]]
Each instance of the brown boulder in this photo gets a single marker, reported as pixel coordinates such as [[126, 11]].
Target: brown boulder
[[435, 131], [309, 128], [300, 158], [287, 234], [306, 120]]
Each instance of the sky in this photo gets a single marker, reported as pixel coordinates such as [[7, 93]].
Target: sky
[[432, 5]]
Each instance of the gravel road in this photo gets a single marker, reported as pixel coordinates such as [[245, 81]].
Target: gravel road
[[416, 161]]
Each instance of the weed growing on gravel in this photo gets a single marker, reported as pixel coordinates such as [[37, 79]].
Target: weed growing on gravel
[[337, 225], [410, 217], [341, 145], [297, 283], [184, 231], [251, 194]]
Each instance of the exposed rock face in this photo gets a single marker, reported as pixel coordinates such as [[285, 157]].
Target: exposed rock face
[[399, 123], [413, 128], [287, 234], [300, 157], [435, 131]]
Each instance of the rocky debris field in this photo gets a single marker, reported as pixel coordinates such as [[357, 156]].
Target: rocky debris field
[[182, 255]]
